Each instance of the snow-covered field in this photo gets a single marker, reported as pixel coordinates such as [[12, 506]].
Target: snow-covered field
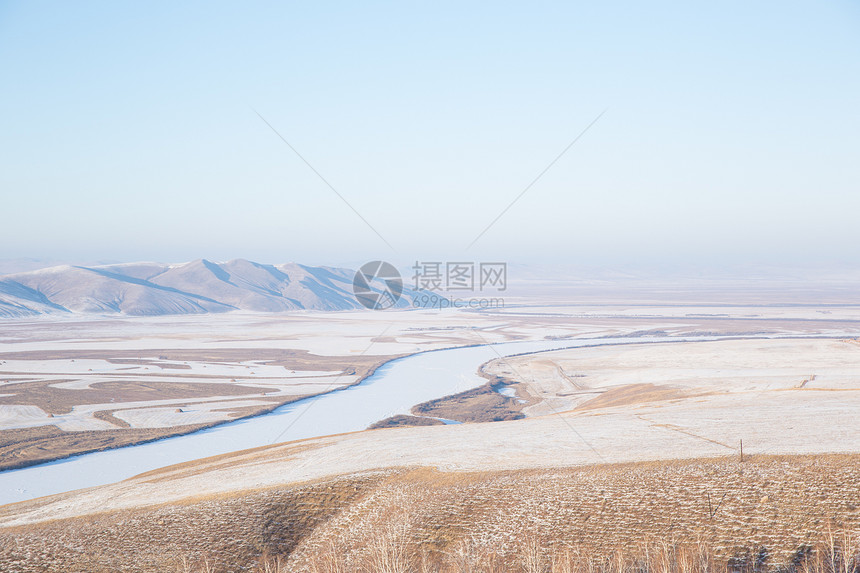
[[686, 373], [81, 353], [93, 353], [776, 421], [653, 400], [62, 354]]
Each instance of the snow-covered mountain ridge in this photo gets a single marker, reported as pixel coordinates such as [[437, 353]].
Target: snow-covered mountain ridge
[[201, 286]]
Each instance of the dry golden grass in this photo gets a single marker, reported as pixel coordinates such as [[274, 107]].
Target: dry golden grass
[[482, 404], [634, 394], [836, 552], [767, 512], [403, 421]]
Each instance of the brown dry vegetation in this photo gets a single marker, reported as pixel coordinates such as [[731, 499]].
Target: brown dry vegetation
[[29, 446], [107, 416], [23, 447], [482, 404], [402, 421], [155, 363], [835, 552], [53, 400], [693, 516], [290, 359], [634, 394]]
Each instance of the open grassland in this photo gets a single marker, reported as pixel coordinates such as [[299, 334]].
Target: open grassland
[[764, 512]]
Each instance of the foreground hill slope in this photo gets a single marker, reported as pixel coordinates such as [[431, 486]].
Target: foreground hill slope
[[771, 508], [201, 286]]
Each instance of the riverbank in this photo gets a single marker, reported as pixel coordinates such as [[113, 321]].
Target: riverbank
[[432, 373], [25, 447]]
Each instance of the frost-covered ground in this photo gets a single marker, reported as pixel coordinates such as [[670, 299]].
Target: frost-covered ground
[[39, 358], [106, 360], [686, 374], [91, 353], [589, 405]]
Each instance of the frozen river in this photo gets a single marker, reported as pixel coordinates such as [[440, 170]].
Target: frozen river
[[392, 389]]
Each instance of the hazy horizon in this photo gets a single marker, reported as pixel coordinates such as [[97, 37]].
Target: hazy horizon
[[518, 270], [730, 132]]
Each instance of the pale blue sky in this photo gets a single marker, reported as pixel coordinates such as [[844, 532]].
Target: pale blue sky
[[732, 133]]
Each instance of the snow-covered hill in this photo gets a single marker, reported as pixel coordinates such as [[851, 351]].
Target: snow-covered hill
[[200, 286]]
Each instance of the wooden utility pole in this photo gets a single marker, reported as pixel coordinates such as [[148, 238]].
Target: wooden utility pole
[[742, 451]]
